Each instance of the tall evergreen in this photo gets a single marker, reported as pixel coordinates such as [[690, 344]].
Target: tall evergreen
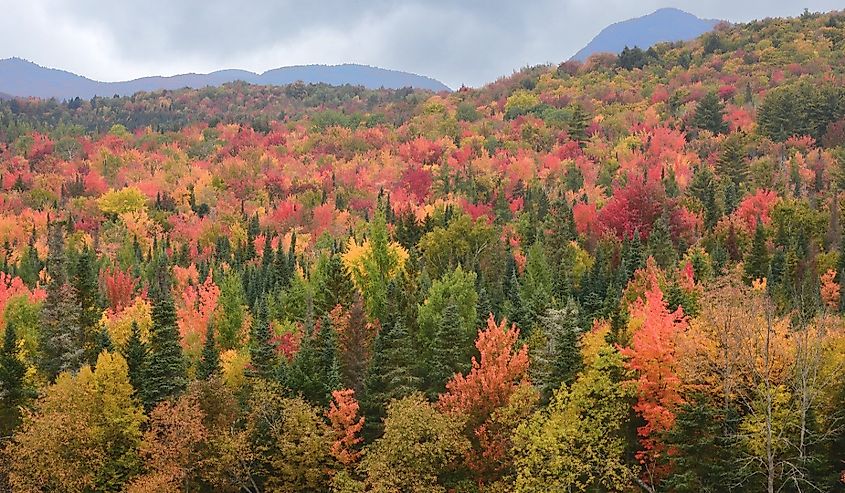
[[447, 354], [660, 244], [315, 371], [164, 372], [88, 299], [13, 388], [209, 365], [731, 164], [135, 354], [62, 347], [757, 261], [261, 351], [710, 114]]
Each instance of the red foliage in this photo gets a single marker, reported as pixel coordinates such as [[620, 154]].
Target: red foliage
[[652, 356], [756, 206], [346, 426], [119, 287]]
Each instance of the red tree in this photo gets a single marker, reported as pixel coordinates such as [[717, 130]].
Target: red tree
[[346, 426]]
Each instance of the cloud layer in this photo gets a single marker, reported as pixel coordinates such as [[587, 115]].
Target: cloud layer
[[456, 41]]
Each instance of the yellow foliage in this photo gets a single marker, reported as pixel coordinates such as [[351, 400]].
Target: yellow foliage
[[356, 255], [119, 325], [234, 365], [128, 199]]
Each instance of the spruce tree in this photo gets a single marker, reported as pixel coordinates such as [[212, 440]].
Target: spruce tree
[[710, 114], [757, 262], [660, 243], [164, 372], [731, 165], [261, 351], [209, 365], [447, 355], [13, 389], [135, 354], [87, 297]]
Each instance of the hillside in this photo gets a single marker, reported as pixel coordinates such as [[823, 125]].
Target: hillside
[[25, 79], [623, 274], [663, 25]]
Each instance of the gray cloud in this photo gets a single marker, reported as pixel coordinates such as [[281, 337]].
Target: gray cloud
[[456, 41]]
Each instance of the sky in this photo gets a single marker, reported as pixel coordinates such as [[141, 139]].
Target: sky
[[468, 42]]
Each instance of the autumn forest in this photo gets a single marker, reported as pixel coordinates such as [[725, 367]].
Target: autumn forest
[[619, 275]]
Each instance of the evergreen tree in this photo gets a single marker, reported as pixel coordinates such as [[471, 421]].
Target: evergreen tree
[[261, 351], [535, 287], [731, 165], [135, 355], [703, 187], [315, 371], [13, 388], [757, 262], [334, 285], [87, 297], [558, 361], [447, 354], [390, 375], [164, 371], [710, 114], [660, 243], [209, 365], [61, 333]]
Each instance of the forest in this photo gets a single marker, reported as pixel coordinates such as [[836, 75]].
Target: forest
[[621, 275]]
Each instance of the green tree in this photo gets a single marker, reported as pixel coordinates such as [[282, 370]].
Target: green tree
[[710, 114], [535, 287], [231, 311], [448, 355], [757, 262], [558, 358], [164, 372], [209, 365], [660, 244], [261, 351], [14, 390], [86, 287], [455, 288], [136, 359]]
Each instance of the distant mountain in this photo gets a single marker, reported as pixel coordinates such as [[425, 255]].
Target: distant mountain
[[662, 25], [23, 78]]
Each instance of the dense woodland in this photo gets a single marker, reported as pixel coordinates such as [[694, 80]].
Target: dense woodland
[[621, 275]]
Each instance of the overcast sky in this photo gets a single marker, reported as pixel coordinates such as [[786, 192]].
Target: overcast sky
[[456, 41]]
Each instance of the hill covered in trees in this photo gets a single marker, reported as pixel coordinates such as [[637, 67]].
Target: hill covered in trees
[[624, 274]]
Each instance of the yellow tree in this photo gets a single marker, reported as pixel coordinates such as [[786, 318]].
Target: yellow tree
[[82, 435]]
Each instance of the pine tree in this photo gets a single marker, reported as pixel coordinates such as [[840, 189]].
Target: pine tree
[[13, 388], [660, 243], [164, 372], [61, 333], [209, 365], [315, 372], [261, 351], [88, 299], [757, 262], [731, 165], [135, 355], [447, 355], [559, 360], [390, 375], [334, 285], [703, 187], [710, 114], [535, 287]]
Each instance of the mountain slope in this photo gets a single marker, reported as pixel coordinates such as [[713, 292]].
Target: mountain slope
[[23, 78], [662, 25]]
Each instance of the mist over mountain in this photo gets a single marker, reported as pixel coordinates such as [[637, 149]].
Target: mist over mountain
[[23, 78], [667, 24]]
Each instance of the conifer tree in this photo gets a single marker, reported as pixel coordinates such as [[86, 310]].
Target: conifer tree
[[261, 351], [731, 164], [447, 354], [710, 114], [660, 243], [135, 355], [757, 262], [209, 365], [559, 360], [87, 298], [13, 388], [164, 372], [535, 287]]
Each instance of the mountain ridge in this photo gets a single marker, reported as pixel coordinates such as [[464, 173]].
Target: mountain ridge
[[663, 25], [23, 78]]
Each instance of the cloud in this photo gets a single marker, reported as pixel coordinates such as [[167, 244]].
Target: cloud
[[456, 41]]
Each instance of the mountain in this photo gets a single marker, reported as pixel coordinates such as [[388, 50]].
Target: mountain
[[662, 25], [23, 78]]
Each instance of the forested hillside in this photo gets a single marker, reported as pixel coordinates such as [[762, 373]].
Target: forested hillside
[[625, 274]]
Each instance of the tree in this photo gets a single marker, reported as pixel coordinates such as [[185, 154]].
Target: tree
[[558, 359], [14, 390], [757, 263], [209, 365], [536, 286], [355, 338], [231, 312], [500, 373], [652, 356], [660, 244], [136, 359], [82, 435], [458, 289], [447, 355], [261, 351], [346, 426], [731, 164], [88, 301], [710, 114], [578, 442], [172, 446], [164, 371], [417, 450]]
